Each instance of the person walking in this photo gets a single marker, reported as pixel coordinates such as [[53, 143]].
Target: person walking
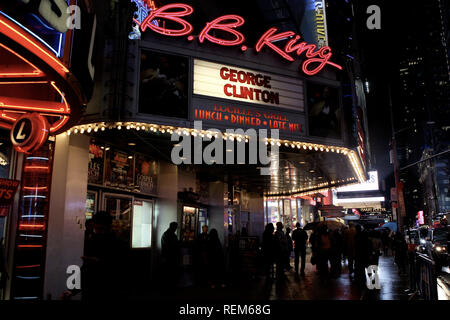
[[374, 238], [290, 248], [349, 247], [400, 252], [336, 253], [201, 248], [363, 248], [324, 250], [102, 259], [216, 260], [268, 248], [299, 236], [281, 249], [170, 254]]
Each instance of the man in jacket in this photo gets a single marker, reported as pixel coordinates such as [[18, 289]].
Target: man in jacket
[[299, 236]]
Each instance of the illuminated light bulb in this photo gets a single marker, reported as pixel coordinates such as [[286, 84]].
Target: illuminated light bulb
[[82, 130], [337, 150], [95, 129], [272, 143], [293, 146], [332, 150], [304, 146], [68, 133], [267, 143], [278, 144], [327, 149], [75, 131], [128, 127], [239, 139], [119, 127], [103, 128], [315, 148], [89, 130], [310, 148], [321, 149]]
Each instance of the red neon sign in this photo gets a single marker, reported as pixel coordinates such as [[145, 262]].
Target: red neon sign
[[314, 61], [218, 24]]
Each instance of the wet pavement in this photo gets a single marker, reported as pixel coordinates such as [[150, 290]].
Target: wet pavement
[[296, 287]]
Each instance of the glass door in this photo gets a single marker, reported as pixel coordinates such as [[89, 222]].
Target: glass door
[[142, 222], [119, 207]]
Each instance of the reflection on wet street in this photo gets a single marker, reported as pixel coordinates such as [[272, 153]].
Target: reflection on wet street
[[308, 287]]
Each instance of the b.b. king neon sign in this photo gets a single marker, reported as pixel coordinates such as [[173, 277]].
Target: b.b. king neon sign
[[315, 59]]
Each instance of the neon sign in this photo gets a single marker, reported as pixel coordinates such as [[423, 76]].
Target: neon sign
[[314, 60]]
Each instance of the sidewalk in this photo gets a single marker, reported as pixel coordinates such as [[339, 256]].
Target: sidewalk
[[295, 287]]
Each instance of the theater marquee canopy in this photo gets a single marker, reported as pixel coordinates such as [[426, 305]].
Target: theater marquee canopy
[[183, 70]]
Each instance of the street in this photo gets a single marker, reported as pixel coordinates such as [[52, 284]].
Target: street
[[296, 287]]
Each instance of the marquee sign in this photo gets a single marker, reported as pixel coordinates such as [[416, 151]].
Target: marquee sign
[[228, 82], [162, 19], [220, 113]]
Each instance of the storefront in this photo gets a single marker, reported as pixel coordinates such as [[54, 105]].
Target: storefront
[[134, 152]]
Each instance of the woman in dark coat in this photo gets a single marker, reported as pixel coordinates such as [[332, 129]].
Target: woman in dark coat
[[268, 247], [216, 260]]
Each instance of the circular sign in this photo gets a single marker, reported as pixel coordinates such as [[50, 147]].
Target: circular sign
[[29, 132], [21, 131]]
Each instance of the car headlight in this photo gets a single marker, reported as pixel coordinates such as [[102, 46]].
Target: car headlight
[[438, 248], [422, 241]]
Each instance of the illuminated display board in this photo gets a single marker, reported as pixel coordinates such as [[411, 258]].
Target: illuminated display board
[[223, 81], [371, 184]]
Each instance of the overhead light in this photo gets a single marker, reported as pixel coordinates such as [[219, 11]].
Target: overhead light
[[131, 143], [130, 157], [312, 171], [302, 162]]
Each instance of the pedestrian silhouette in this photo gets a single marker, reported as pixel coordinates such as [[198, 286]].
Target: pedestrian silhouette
[[170, 254], [201, 256], [102, 269], [216, 260], [281, 250], [268, 248], [299, 236], [349, 247], [290, 248]]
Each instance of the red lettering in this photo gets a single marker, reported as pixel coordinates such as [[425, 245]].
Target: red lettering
[[233, 75], [224, 75], [266, 82], [236, 21], [225, 89], [323, 60], [251, 78], [259, 80], [268, 37], [242, 76], [163, 13]]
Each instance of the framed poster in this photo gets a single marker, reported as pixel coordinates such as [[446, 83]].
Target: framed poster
[[119, 169], [188, 223], [146, 173], [96, 163]]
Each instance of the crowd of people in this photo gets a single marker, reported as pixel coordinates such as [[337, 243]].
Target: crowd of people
[[208, 257], [330, 248]]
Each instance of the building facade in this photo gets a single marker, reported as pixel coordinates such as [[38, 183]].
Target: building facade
[[202, 113]]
